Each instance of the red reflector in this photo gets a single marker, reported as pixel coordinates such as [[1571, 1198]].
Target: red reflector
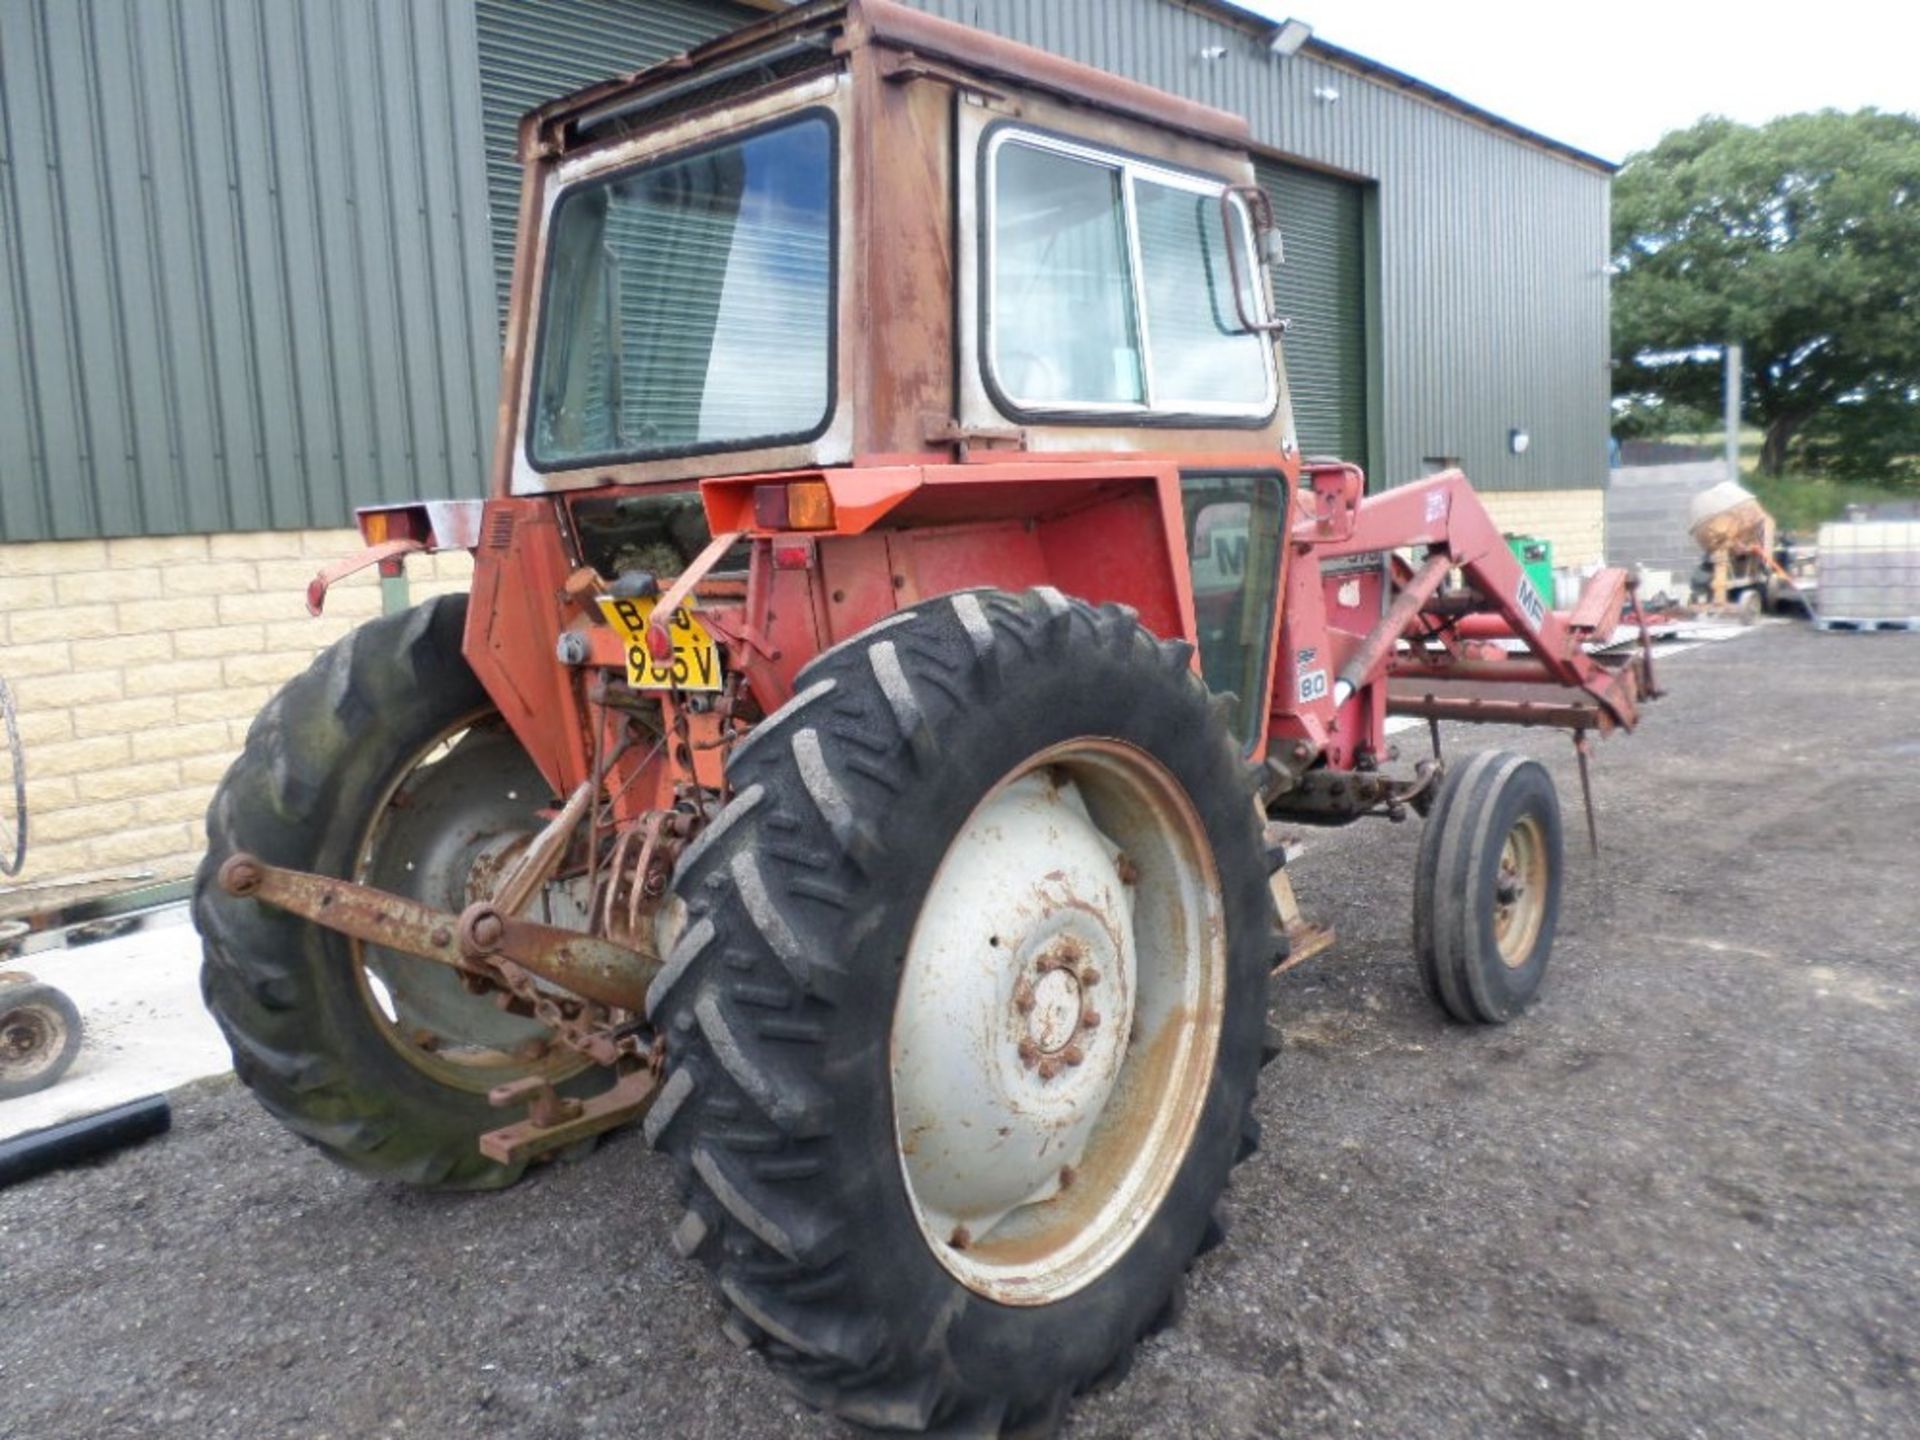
[[793, 554], [659, 642], [770, 507]]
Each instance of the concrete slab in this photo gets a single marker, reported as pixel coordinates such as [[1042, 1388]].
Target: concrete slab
[[146, 1031]]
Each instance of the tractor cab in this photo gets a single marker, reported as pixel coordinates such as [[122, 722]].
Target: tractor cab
[[857, 232]]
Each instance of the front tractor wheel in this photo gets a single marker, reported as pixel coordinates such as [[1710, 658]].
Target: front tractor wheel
[[384, 764], [964, 1025], [1486, 894]]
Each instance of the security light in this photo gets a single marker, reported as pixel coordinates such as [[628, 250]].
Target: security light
[[1518, 440], [1288, 39]]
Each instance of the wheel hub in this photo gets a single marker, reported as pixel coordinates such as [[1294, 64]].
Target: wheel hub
[[995, 1117], [30, 1041], [1056, 1020], [1518, 890], [1055, 1011]]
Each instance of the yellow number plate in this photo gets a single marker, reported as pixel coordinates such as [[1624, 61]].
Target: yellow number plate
[[696, 659]]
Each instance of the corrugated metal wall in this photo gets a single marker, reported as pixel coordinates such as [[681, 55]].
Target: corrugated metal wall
[[244, 272], [1491, 307]]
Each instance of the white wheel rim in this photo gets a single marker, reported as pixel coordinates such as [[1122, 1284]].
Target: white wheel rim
[[1057, 1022]]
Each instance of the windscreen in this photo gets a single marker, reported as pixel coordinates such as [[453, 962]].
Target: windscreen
[[689, 304]]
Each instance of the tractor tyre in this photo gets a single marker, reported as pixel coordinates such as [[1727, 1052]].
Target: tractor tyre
[[39, 1037], [964, 1026], [383, 763], [1486, 894]]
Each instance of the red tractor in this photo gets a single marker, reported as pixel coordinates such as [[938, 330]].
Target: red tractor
[[899, 611]]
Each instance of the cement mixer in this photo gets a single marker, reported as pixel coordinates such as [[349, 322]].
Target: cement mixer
[[1739, 567]]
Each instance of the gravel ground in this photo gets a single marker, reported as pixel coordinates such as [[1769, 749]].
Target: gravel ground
[[1682, 1197]]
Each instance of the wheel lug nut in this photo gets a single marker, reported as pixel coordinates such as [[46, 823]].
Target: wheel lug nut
[[1029, 1053], [1073, 1054], [1022, 995], [1049, 1067], [1089, 1019], [1089, 977]]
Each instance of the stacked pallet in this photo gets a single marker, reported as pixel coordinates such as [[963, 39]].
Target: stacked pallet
[[1869, 575]]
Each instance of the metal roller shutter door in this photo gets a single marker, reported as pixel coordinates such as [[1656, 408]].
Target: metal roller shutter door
[[532, 51], [1322, 287]]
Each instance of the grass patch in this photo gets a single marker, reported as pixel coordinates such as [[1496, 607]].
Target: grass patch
[[1800, 503]]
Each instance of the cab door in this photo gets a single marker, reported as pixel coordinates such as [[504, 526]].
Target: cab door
[[1235, 521]]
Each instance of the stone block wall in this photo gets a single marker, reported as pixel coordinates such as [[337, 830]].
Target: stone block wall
[[136, 666]]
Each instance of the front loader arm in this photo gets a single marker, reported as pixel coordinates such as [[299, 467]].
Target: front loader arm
[[1360, 641]]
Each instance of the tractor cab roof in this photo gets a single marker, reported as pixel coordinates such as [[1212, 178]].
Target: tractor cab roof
[[817, 36]]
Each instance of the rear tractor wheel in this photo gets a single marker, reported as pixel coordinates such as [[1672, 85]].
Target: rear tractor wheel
[[385, 764], [1486, 894], [964, 1026]]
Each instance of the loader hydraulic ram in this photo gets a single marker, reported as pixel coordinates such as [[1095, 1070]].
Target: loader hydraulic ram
[[902, 627]]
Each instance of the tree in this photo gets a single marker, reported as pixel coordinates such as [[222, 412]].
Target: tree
[[1800, 239]]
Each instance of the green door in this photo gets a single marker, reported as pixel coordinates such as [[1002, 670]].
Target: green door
[[1322, 288]]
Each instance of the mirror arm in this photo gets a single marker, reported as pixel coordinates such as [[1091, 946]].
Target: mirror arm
[[1260, 217]]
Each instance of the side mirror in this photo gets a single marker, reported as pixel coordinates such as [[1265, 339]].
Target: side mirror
[[1268, 250]]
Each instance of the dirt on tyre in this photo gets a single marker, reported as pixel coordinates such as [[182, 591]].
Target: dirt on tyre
[[1487, 886], [383, 763], [965, 1022], [40, 1034]]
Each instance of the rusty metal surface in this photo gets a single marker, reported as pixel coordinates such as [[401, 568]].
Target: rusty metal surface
[[536, 863], [475, 941], [347, 565], [373, 916], [585, 965], [555, 1121]]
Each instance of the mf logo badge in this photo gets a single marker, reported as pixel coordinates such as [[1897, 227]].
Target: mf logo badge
[[1529, 601]]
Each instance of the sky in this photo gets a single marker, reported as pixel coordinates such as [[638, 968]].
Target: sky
[[1612, 78]]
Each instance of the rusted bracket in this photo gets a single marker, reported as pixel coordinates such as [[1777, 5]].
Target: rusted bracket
[[584, 965], [945, 430], [554, 1120], [357, 910], [903, 66], [1304, 939], [347, 565], [659, 641]]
